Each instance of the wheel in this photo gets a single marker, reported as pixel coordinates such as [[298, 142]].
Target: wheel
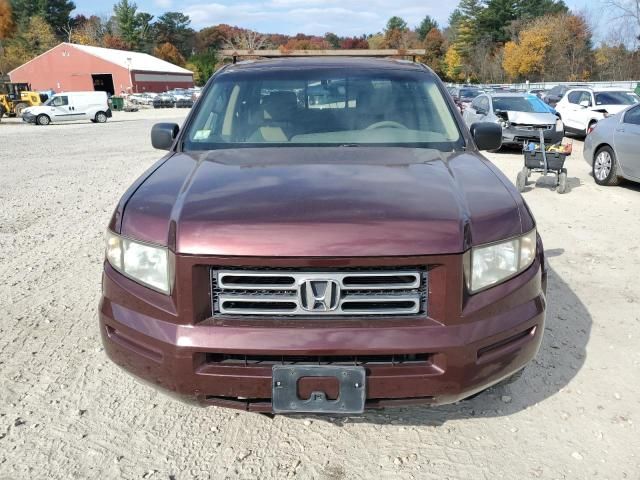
[[101, 117], [562, 181], [521, 181], [20, 108], [43, 120], [605, 167]]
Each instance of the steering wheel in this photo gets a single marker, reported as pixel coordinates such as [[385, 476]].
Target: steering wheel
[[386, 124]]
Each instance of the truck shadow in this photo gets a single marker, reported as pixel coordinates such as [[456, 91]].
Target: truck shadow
[[561, 356]]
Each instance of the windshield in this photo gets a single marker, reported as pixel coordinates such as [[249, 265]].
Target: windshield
[[469, 93], [529, 103], [616, 98], [323, 107]]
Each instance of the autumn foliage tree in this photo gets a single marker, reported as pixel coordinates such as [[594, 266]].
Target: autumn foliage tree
[[169, 52], [6, 20], [559, 45]]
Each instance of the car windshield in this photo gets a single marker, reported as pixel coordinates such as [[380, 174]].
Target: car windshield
[[528, 103], [469, 93], [323, 107], [616, 98]]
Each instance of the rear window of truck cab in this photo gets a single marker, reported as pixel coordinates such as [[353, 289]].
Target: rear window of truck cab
[[323, 107]]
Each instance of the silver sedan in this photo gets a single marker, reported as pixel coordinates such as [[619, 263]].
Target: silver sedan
[[613, 148]]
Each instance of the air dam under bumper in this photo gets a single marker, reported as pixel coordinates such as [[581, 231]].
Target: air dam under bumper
[[213, 364]]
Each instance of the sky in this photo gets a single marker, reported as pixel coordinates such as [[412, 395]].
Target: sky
[[343, 17]]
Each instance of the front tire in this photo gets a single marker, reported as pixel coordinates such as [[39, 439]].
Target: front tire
[[100, 117], [43, 120], [20, 108], [605, 167]]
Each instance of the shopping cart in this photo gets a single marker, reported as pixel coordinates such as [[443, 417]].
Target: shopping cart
[[539, 160]]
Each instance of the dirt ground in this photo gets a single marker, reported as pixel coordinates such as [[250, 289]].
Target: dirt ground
[[67, 413]]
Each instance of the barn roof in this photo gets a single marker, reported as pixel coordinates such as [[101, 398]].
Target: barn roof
[[137, 61]]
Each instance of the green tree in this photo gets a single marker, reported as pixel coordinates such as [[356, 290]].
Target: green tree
[[426, 25], [56, 13], [133, 27], [332, 39], [173, 27], [203, 65], [396, 23]]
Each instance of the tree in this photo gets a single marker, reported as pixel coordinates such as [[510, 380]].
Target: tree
[[169, 53], [203, 65], [627, 10], [350, 43], [56, 13], [133, 27], [453, 65], [560, 44], [434, 45], [6, 20], [306, 42], [396, 23], [426, 25], [332, 39], [31, 39], [88, 31], [246, 40], [173, 27]]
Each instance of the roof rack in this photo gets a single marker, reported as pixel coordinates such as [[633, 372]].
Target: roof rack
[[279, 53]]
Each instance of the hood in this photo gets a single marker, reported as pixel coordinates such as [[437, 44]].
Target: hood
[[611, 109], [531, 118], [324, 202]]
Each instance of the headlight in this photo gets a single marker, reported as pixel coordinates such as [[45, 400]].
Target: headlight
[[559, 125], [488, 265], [144, 263]]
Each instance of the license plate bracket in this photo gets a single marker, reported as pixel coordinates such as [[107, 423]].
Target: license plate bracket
[[351, 394]]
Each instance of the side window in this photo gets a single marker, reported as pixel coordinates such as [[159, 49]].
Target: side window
[[585, 97], [632, 116], [476, 103], [60, 101], [484, 104], [574, 97]]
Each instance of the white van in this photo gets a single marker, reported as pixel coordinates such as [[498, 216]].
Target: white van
[[70, 106]]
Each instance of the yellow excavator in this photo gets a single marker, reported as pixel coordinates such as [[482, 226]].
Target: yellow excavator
[[15, 97]]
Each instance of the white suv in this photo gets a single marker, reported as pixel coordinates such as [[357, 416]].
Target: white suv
[[581, 108]]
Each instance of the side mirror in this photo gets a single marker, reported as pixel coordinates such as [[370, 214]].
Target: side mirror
[[487, 135], [585, 103], [163, 135]]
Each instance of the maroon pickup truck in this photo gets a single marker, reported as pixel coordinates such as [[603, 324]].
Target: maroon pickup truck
[[323, 236]]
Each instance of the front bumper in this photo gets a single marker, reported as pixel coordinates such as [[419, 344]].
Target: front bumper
[[496, 340], [516, 136], [28, 117]]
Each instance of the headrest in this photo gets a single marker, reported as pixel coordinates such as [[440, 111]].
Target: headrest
[[279, 106]]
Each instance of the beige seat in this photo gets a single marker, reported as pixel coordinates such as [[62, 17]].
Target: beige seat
[[276, 118]]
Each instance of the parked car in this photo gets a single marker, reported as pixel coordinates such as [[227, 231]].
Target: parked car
[[581, 108], [520, 115], [553, 96], [268, 265], [70, 106], [466, 95], [186, 102], [538, 92], [164, 100], [611, 148]]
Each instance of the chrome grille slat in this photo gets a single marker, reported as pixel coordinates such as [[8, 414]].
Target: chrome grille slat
[[283, 292]]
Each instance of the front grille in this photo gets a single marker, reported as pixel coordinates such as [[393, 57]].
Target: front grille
[[267, 360], [348, 292], [521, 126]]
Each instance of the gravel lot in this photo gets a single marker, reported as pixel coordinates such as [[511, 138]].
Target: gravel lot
[[66, 412]]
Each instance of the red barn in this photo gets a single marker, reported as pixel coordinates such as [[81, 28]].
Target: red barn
[[71, 67]]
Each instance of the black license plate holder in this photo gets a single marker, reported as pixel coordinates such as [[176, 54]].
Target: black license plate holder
[[351, 394]]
